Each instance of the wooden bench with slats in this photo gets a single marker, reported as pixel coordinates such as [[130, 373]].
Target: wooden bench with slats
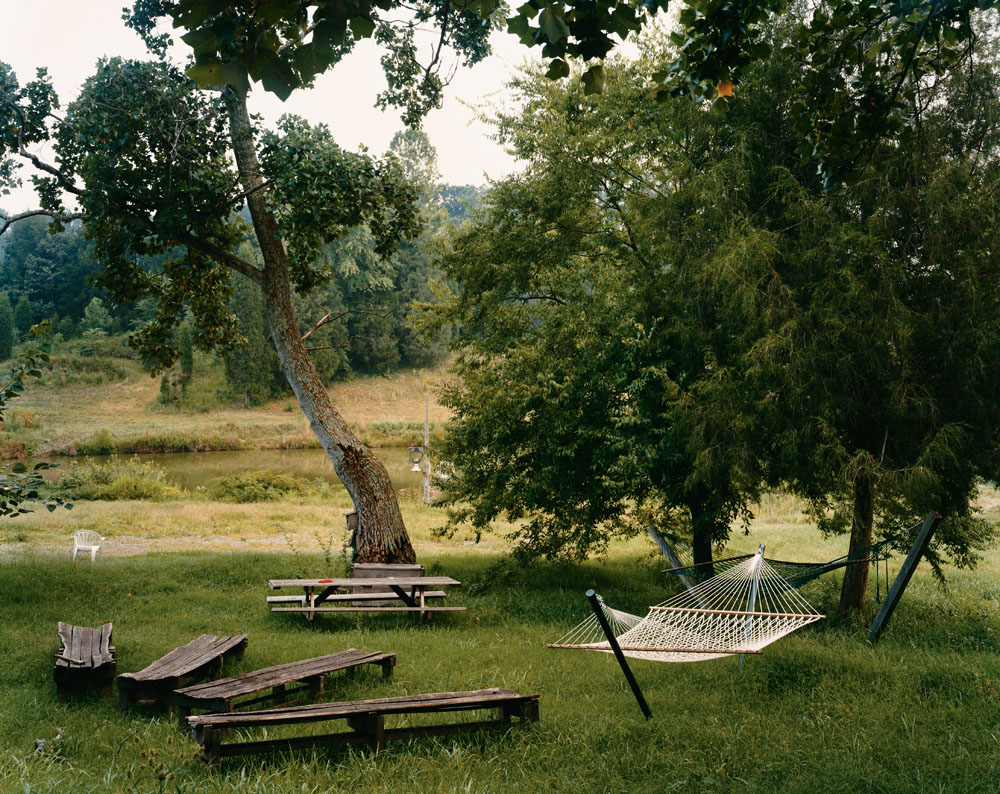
[[154, 685], [221, 695], [86, 658], [365, 720]]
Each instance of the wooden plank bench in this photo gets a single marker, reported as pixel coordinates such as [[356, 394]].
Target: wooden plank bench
[[154, 685], [87, 657], [365, 720], [219, 696]]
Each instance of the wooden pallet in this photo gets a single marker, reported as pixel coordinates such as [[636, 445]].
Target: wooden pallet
[[221, 695], [154, 685], [86, 658], [365, 720]]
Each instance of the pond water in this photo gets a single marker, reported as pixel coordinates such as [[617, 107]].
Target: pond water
[[189, 470]]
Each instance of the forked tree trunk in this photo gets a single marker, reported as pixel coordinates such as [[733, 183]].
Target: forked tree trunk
[[852, 592], [381, 535]]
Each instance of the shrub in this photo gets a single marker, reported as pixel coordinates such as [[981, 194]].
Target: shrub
[[103, 443], [258, 486], [20, 418], [124, 479]]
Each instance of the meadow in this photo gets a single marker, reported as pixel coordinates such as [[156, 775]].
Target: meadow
[[821, 710]]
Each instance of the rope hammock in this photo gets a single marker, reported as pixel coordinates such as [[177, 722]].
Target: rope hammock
[[795, 573], [741, 610]]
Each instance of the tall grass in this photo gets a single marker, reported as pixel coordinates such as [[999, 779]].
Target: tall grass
[[820, 711]]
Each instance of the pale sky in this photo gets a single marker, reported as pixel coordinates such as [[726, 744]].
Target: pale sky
[[68, 36]]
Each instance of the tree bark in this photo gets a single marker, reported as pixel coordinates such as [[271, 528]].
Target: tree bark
[[852, 592], [381, 535], [702, 532]]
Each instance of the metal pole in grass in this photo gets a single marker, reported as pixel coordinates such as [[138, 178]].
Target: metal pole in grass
[[595, 603], [753, 598]]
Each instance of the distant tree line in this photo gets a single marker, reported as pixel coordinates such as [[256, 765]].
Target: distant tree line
[[51, 277]]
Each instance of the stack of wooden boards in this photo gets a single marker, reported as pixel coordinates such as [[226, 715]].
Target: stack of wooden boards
[[172, 681]]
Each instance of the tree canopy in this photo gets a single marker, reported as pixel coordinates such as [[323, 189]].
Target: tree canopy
[[666, 309]]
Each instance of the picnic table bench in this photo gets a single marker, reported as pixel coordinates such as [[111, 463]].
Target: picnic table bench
[[219, 696], [86, 657], [365, 720], [412, 591], [154, 685]]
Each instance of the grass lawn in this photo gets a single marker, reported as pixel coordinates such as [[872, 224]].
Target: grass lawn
[[819, 711]]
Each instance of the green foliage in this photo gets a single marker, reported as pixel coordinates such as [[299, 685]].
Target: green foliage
[[120, 479], [18, 485], [252, 370], [103, 443], [6, 327], [257, 486], [185, 346], [24, 315], [96, 317], [239, 43], [674, 312]]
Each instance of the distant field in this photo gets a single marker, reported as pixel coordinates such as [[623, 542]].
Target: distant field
[[66, 414]]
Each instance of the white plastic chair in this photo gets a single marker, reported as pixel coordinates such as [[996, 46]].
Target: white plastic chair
[[87, 540]]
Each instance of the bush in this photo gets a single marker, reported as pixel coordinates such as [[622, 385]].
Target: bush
[[258, 486], [125, 479], [20, 418]]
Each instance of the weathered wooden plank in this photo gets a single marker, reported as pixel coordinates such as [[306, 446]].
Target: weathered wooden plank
[[254, 681], [386, 596], [86, 658], [366, 720], [187, 658], [424, 581], [406, 704]]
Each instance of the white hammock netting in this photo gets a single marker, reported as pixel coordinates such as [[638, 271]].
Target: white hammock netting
[[741, 610]]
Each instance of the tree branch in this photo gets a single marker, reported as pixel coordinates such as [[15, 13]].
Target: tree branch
[[9, 220]]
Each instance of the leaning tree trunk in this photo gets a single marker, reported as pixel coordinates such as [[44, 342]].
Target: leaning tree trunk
[[852, 592], [381, 535]]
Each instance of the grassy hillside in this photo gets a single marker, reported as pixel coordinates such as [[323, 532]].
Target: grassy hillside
[[93, 406]]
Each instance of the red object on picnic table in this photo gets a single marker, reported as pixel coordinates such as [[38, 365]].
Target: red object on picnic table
[[324, 581]]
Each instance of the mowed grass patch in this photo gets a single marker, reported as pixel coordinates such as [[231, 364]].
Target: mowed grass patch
[[820, 710]]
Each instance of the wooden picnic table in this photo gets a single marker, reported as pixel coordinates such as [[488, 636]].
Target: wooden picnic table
[[412, 591]]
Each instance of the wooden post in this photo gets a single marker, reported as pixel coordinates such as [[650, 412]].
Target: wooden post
[[906, 570], [613, 642]]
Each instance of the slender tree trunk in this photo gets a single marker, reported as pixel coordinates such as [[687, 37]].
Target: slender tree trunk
[[702, 531], [381, 535], [852, 592]]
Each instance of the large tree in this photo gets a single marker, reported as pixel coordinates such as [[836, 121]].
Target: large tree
[[664, 298], [158, 166]]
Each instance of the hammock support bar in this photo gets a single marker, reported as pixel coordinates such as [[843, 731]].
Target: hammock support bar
[[613, 642]]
